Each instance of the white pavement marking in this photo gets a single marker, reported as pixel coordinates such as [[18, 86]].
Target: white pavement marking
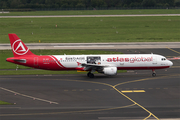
[[35, 98], [118, 45], [87, 46]]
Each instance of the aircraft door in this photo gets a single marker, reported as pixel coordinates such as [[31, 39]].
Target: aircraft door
[[35, 61], [154, 60]]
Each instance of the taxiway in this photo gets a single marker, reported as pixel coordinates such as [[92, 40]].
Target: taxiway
[[131, 95]]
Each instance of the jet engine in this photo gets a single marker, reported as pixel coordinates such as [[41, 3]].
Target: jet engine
[[110, 70]]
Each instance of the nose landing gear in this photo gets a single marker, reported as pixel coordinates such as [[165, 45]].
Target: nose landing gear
[[154, 73]]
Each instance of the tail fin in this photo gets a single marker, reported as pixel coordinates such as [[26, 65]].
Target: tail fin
[[18, 47]]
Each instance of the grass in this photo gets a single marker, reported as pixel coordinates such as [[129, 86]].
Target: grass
[[42, 72], [96, 12], [5, 103], [10, 68], [93, 29]]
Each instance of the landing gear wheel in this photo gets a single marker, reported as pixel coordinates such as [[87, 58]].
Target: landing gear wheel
[[90, 75], [154, 74]]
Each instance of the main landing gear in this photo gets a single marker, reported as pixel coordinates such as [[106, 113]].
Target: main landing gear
[[90, 75], [154, 73]]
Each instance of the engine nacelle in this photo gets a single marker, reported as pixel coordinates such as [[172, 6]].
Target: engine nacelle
[[110, 70]]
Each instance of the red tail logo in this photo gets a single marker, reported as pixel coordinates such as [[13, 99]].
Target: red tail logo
[[18, 47]]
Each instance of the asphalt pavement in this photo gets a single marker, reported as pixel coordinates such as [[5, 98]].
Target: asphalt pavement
[[131, 95]]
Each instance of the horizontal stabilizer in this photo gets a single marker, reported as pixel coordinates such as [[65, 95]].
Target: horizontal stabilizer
[[19, 60]]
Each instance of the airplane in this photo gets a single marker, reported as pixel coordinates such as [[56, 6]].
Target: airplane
[[106, 64]]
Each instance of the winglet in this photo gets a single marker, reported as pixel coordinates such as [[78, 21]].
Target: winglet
[[18, 47]]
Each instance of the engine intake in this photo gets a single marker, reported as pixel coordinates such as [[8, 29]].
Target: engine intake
[[110, 70]]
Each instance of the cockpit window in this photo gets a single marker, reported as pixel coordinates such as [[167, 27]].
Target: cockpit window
[[163, 59]]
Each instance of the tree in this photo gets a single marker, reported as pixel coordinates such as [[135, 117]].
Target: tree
[[80, 5], [149, 3], [177, 3], [97, 3], [85, 3], [14, 3]]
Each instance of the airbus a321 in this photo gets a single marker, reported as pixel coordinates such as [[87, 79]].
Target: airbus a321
[[106, 64]]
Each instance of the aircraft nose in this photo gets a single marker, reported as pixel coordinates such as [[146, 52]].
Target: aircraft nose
[[170, 63]]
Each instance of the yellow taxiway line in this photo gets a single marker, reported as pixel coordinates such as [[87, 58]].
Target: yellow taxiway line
[[132, 91], [173, 50]]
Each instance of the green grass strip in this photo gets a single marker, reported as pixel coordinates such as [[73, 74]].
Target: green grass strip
[[43, 72], [92, 30], [5, 103]]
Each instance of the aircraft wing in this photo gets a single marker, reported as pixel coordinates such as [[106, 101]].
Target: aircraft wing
[[95, 67]]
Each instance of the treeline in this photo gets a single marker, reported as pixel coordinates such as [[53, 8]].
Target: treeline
[[21, 4]]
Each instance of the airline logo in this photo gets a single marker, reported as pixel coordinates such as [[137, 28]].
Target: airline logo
[[19, 48], [131, 60]]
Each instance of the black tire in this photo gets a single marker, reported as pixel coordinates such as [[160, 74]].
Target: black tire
[[154, 74], [90, 75]]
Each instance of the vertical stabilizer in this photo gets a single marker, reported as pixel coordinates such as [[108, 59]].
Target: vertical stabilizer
[[18, 47]]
